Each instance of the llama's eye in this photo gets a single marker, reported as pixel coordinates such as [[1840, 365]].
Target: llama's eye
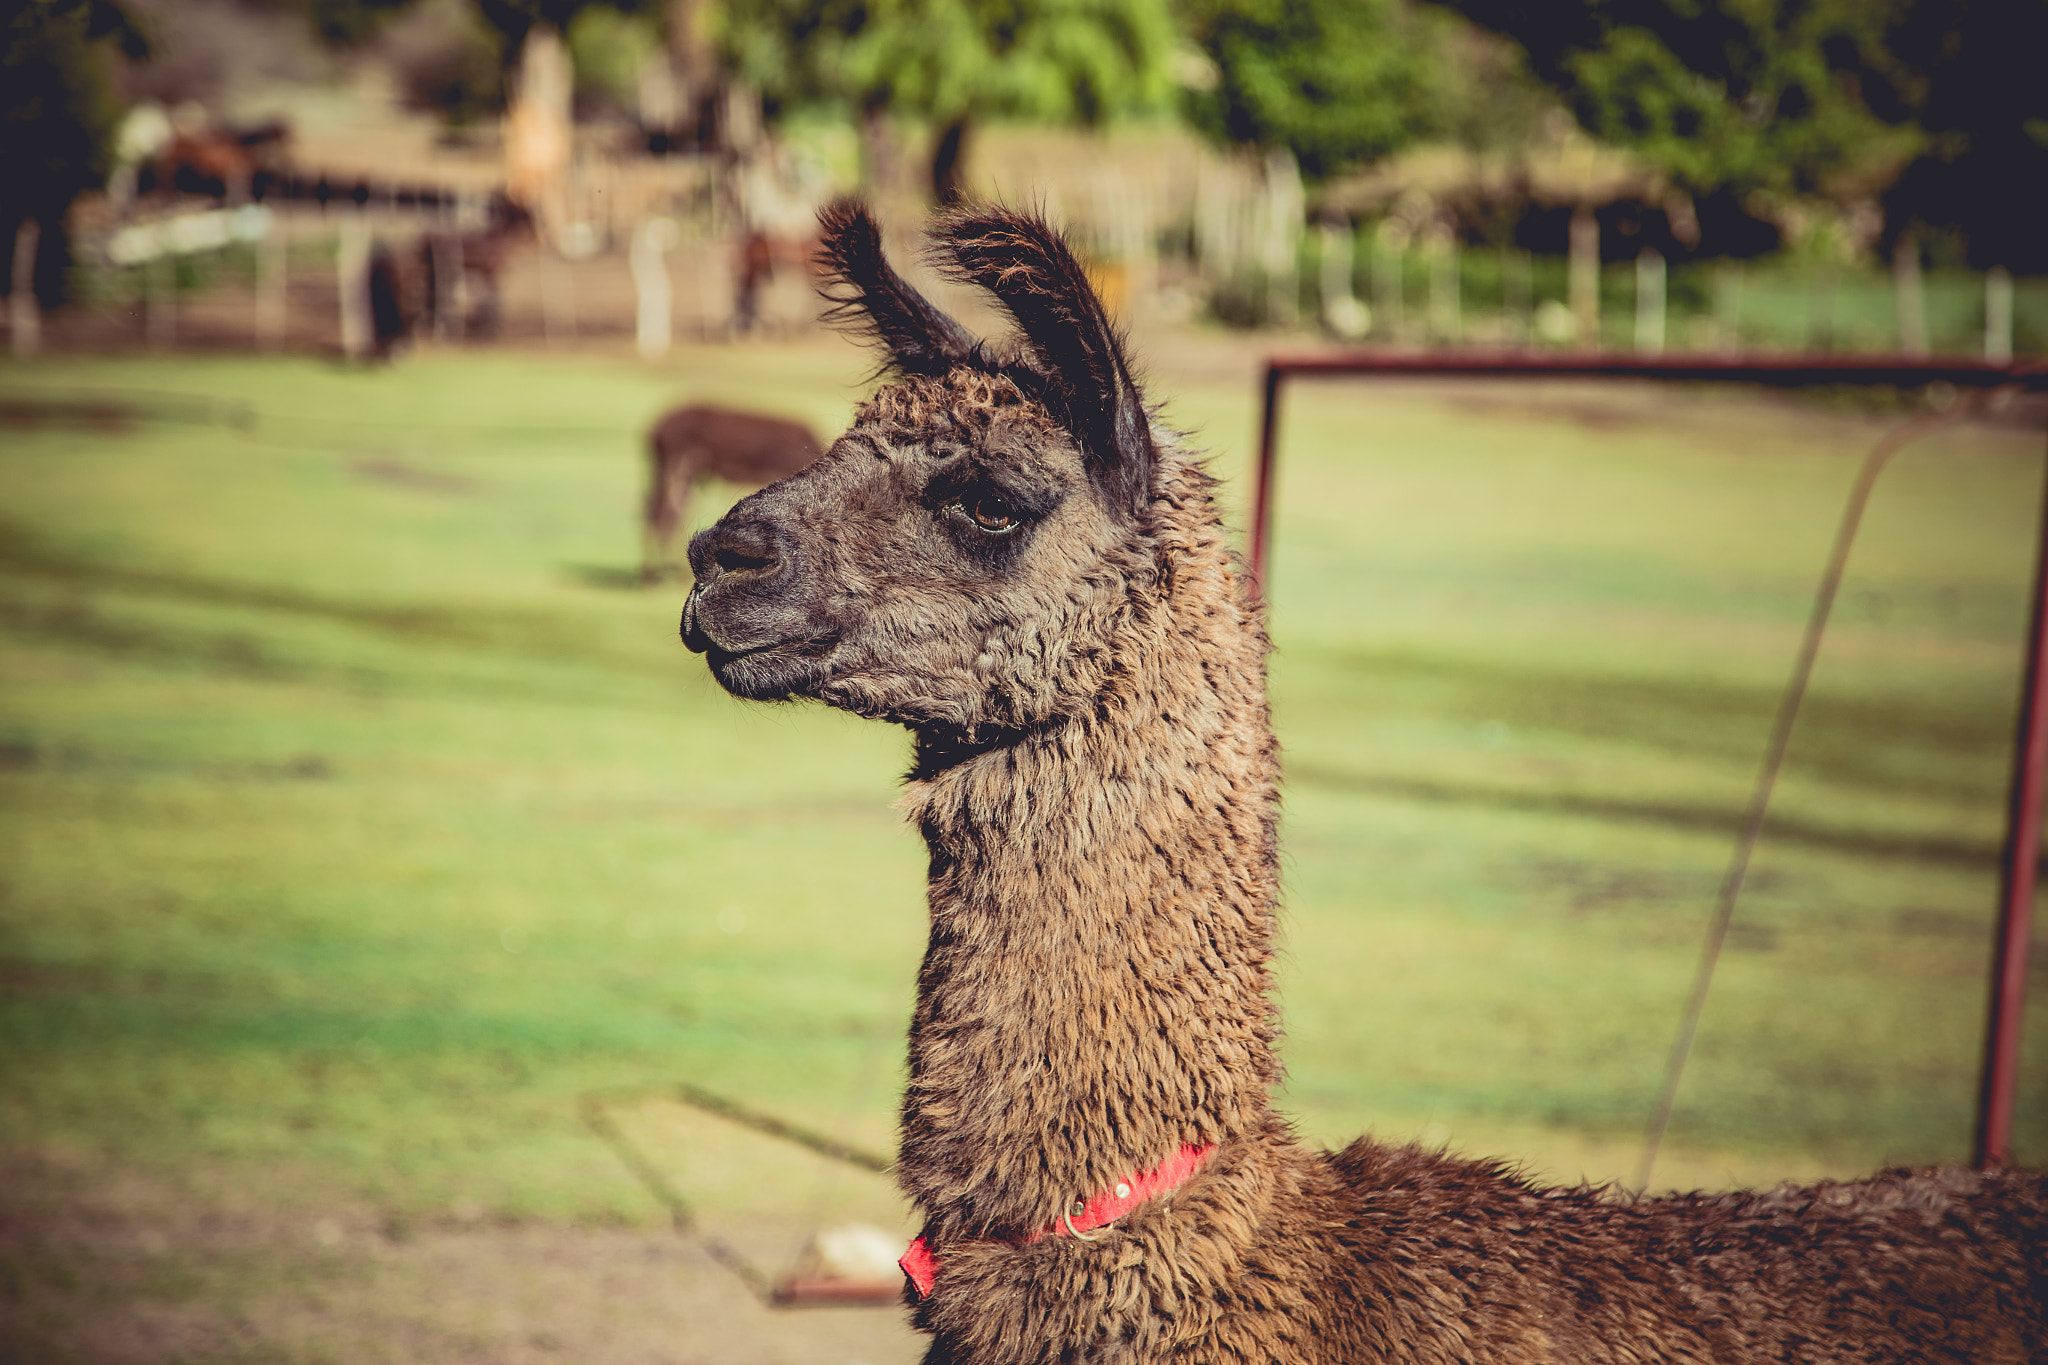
[[990, 512]]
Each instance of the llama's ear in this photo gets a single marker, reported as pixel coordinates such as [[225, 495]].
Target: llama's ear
[[866, 293], [1030, 268]]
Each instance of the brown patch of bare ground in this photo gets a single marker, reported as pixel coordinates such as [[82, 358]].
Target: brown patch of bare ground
[[99, 1265]]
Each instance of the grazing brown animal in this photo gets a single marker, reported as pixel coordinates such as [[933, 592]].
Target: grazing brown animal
[[1007, 556], [699, 441]]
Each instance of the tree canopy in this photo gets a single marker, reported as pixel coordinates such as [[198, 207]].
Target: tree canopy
[[57, 105], [1817, 97], [1726, 96], [1967, 74], [1336, 82], [953, 63]]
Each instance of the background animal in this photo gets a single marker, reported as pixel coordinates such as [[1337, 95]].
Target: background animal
[[1006, 555], [458, 276], [759, 256], [700, 441]]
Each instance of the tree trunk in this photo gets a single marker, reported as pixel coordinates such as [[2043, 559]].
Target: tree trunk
[[949, 164], [878, 155]]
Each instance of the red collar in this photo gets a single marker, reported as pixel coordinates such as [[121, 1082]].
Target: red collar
[[1084, 1217]]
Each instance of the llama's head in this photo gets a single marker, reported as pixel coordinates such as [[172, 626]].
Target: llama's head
[[961, 558]]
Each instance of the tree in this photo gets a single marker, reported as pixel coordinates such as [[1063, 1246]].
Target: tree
[[514, 18], [57, 118], [1966, 73], [1337, 83], [954, 63], [349, 23], [1725, 96]]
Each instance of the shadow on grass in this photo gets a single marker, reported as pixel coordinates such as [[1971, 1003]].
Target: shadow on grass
[[612, 577], [1702, 819], [1898, 744], [25, 554]]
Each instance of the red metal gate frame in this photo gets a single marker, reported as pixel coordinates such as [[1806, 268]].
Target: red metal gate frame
[[2020, 858]]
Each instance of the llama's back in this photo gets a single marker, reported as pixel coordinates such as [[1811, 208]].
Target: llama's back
[[1429, 1258], [747, 448]]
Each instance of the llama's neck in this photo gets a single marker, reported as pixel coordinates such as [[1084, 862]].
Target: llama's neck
[[1096, 990]]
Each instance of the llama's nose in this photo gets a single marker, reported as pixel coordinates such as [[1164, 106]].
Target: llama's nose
[[752, 546], [747, 594]]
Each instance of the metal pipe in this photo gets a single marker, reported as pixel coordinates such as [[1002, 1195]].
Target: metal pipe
[[2012, 944], [1262, 494], [1893, 441], [1795, 371]]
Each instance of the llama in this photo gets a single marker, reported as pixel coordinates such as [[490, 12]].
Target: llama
[[698, 441], [1006, 555]]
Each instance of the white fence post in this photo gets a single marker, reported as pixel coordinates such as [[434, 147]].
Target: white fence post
[[1908, 298], [1585, 276], [270, 286], [1343, 313], [352, 276], [1650, 302], [1446, 302], [1998, 316], [1387, 250], [654, 329]]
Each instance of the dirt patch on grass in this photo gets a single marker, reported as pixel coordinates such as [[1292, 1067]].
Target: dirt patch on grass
[[102, 1266]]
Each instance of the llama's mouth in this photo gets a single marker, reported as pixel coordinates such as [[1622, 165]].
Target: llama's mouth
[[769, 671]]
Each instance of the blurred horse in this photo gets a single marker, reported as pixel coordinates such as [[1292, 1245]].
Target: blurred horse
[[220, 162]]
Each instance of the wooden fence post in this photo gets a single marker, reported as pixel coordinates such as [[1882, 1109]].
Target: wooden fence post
[[24, 317]]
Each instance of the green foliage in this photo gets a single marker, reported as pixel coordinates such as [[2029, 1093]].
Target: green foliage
[[450, 63], [513, 18], [952, 63], [607, 48], [1726, 95], [1336, 82]]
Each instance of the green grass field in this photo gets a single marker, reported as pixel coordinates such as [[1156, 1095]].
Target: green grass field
[[361, 813]]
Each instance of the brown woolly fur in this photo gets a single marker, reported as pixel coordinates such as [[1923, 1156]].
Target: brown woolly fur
[[1006, 555]]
